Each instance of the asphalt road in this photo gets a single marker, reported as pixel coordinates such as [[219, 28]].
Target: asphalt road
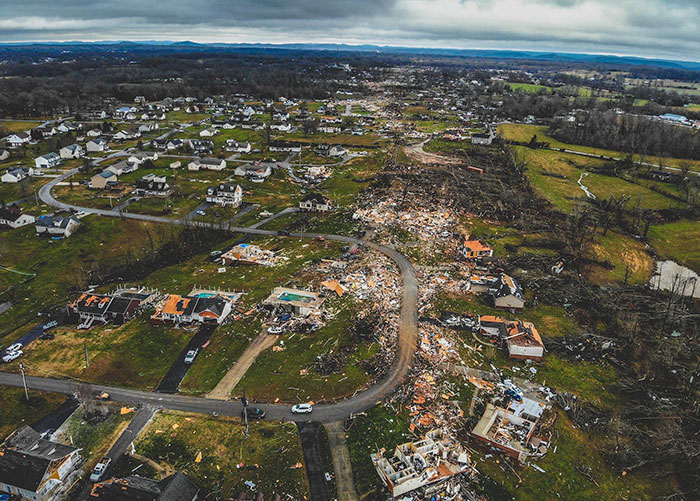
[[308, 434], [337, 411]]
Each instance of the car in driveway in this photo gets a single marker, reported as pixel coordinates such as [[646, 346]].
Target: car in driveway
[[12, 355], [254, 413], [100, 469], [14, 347], [190, 356], [302, 409]]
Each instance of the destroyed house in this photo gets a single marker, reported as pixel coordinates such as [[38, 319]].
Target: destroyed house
[[510, 429], [481, 283], [474, 249], [521, 339], [176, 310], [34, 468], [506, 293], [176, 487], [247, 254], [423, 465], [295, 301], [56, 226], [90, 308]]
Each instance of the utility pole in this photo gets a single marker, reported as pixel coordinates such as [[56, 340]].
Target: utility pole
[[24, 381], [87, 361], [244, 401]]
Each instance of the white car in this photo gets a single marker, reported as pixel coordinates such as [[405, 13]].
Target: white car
[[275, 329], [12, 355], [302, 409], [191, 355], [100, 469], [14, 347]]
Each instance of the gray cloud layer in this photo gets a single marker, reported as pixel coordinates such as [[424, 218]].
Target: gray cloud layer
[[666, 28]]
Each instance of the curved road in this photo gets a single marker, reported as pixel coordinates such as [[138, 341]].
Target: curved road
[[337, 411]]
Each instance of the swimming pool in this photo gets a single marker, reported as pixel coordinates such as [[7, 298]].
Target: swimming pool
[[290, 296]]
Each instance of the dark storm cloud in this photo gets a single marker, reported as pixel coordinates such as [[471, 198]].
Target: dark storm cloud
[[667, 28]]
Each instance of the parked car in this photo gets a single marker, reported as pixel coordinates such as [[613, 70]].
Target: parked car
[[47, 336], [191, 355], [254, 413], [283, 233], [275, 329], [100, 469], [302, 409], [201, 213], [12, 355], [14, 347]]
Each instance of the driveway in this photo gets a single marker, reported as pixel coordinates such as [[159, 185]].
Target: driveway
[[172, 379]]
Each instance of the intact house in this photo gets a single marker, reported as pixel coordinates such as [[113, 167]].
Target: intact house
[[32, 467], [17, 174], [56, 225], [425, 464], [297, 302], [285, 146], [256, 171], [97, 145], [90, 308], [281, 126], [248, 254], [96, 132], [71, 151], [507, 294], [123, 167], [127, 134], [17, 139], [329, 150], [520, 339], [66, 127], [225, 195], [174, 144], [200, 145], [103, 180], [474, 249], [207, 164], [175, 309], [13, 217], [237, 147], [142, 156], [176, 487], [512, 429], [46, 132], [315, 202], [152, 185], [482, 138], [48, 161], [210, 132]]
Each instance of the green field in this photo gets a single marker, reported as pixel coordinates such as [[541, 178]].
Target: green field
[[267, 456], [16, 412], [679, 241]]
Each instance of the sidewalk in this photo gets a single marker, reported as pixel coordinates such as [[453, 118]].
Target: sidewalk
[[341, 462]]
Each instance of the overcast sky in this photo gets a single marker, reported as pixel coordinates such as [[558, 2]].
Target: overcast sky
[[652, 28]]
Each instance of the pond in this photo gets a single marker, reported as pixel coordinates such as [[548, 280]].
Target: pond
[[670, 275]]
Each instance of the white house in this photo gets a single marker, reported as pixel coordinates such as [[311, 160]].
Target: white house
[[255, 171], [142, 156], [14, 217], [210, 132], [18, 139], [71, 151], [58, 226], [207, 164], [48, 161], [281, 126], [17, 174], [94, 132], [315, 202], [236, 147], [123, 167], [225, 194], [127, 134], [285, 146], [97, 145]]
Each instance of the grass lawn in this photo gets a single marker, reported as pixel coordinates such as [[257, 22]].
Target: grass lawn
[[382, 427], [621, 253], [16, 412], [679, 241], [277, 374], [12, 126], [267, 457], [561, 480], [62, 265], [95, 439], [526, 87], [135, 354], [523, 133], [555, 176]]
